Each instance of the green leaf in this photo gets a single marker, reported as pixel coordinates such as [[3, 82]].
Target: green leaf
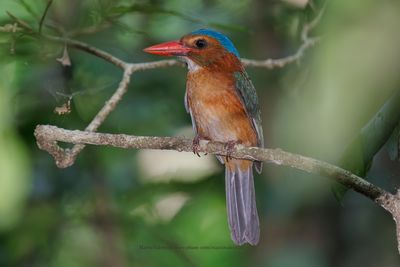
[[358, 156]]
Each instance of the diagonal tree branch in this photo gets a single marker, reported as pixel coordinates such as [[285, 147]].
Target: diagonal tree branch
[[307, 43], [87, 48], [48, 136]]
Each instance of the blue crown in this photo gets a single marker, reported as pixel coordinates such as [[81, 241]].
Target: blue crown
[[224, 41]]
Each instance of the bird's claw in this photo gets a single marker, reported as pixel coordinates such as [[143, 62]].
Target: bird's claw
[[229, 146], [196, 145]]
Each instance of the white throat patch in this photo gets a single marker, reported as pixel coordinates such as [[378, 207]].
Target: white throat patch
[[192, 66]]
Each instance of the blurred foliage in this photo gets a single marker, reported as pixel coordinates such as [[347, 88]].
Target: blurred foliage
[[14, 163], [150, 208]]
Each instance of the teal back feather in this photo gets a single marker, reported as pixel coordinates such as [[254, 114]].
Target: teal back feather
[[248, 94]]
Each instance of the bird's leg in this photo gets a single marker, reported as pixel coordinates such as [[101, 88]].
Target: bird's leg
[[229, 146]]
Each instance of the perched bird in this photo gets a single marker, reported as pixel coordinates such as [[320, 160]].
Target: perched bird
[[223, 106]]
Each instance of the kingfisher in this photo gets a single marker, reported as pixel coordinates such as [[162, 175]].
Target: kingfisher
[[223, 106]]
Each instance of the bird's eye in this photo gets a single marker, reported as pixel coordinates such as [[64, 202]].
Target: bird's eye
[[200, 43]]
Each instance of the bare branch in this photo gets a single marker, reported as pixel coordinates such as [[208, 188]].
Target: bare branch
[[10, 28], [307, 42], [156, 65], [268, 63], [281, 62], [391, 203], [47, 137], [20, 22], [87, 48]]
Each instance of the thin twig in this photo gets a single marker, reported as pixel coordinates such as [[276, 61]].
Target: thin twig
[[10, 28], [87, 48], [100, 117], [307, 42], [156, 64], [20, 22], [49, 2], [13, 38]]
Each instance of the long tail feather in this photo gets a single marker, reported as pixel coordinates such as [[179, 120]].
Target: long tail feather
[[241, 202]]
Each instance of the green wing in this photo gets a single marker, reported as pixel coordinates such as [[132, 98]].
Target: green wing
[[248, 95]]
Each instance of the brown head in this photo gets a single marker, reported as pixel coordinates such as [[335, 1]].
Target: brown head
[[204, 47]]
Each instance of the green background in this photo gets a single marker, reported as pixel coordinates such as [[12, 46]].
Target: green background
[[117, 207]]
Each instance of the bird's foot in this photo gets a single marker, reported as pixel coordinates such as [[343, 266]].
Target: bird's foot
[[229, 146], [196, 145]]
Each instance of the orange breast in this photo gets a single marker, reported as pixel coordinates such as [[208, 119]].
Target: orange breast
[[216, 108]]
